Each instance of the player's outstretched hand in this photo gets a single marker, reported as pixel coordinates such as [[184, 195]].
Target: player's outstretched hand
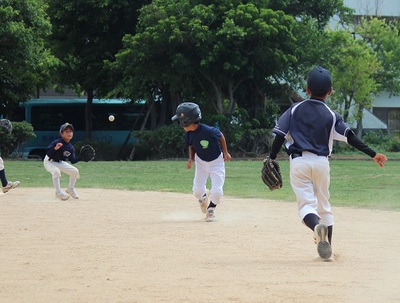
[[380, 159]]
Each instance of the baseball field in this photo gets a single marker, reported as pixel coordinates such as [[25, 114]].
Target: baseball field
[[149, 242]]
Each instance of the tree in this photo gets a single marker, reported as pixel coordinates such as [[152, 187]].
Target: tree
[[207, 50], [319, 10], [354, 67], [384, 39], [364, 62], [85, 35], [25, 63]]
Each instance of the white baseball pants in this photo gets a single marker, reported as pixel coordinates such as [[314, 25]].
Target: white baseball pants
[[216, 171], [310, 180], [55, 168]]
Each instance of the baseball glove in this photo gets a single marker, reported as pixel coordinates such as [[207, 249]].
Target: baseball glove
[[6, 125], [87, 153], [271, 174]]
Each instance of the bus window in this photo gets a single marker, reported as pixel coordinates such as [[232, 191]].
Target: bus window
[[46, 116]]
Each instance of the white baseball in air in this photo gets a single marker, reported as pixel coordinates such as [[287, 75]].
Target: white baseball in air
[[111, 118]]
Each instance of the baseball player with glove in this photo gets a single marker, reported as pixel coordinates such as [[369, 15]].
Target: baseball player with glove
[[6, 125], [55, 162], [208, 150], [308, 129]]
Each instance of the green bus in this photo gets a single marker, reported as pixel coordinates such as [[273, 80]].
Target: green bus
[[47, 115]]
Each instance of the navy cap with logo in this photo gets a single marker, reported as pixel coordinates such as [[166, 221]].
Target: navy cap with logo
[[319, 81], [65, 126]]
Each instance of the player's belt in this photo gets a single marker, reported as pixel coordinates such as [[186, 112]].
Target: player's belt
[[51, 160], [296, 155]]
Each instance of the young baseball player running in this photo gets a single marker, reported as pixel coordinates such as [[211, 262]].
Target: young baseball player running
[[208, 150], [308, 129], [55, 162]]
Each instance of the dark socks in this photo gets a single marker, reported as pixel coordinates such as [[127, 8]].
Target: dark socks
[[330, 232], [212, 205], [311, 220], [3, 178]]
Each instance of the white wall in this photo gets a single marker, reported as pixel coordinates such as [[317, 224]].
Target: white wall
[[385, 100]]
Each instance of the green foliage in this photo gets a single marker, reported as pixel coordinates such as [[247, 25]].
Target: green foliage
[[85, 35], [364, 61], [245, 136], [22, 132], [378, 140], [25, 61], [382, 141], [354, 66], [384, 39], [207, 52], [320, 10], [162, 143]]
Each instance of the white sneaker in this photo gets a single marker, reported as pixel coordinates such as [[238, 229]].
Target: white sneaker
[[204, 201], [62, 195], [10, 185], [72, 192], [210, 216], [323, 247]]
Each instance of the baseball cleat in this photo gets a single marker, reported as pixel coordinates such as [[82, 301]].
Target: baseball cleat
[[323, 247], [72, 192], [10, 185], [210, 216], [62, 195], [204, 201]]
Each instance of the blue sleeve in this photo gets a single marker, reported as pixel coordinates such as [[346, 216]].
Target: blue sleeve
[[282, 126], [216, 133], [50, 149], [72, 158], [341, 129]]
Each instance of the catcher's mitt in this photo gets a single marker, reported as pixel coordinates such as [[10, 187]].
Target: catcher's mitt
[[6, 125], [87, 153], [271, 174]]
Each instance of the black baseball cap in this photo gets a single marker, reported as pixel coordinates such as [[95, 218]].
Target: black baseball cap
[[65, 126], [319, 81]]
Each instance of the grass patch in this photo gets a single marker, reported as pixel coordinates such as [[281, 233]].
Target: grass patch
[[355, 183]]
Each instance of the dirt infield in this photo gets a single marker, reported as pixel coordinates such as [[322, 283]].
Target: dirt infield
[[125, 246]]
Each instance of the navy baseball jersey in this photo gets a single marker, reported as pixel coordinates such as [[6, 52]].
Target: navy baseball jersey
[[67, 151], [205, 141], [311, 125]]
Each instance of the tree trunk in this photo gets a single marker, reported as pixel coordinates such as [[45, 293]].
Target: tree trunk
[[346, 110], [88, 114], [132, 154], [359, 122], [231, 105]]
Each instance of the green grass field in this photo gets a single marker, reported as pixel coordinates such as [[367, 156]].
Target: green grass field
[[355, 183]]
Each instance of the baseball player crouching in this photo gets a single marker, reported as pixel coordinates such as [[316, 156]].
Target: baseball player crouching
[[208, 150], [55, 162], [308, 129]]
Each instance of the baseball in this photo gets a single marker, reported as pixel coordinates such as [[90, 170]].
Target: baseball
[[111, 118]]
